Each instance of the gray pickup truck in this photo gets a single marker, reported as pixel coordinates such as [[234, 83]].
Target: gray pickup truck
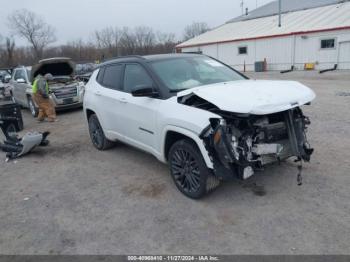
[[66, 92]]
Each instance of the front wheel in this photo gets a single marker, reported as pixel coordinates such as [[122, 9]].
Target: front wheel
[[189, 171], [97, 135], [32, 107]]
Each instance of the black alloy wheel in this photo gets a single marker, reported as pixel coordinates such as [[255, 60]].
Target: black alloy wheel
[[97, 135], [189, 171], [185, 170]]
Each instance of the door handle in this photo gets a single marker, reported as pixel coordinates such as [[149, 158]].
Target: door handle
[[98, 93]]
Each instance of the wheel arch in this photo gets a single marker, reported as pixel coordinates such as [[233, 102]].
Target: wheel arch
[[88, 113], [173, 134]]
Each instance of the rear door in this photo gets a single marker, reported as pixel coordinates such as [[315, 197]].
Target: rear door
[[139, 113], [108, 96]]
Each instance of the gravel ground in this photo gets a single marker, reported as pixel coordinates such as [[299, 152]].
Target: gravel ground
[[69, 198]]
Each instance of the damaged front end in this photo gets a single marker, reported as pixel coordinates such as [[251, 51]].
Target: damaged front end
[[239, 144]]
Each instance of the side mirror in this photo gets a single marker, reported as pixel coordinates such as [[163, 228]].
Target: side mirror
[[21, 81], [145, 92]]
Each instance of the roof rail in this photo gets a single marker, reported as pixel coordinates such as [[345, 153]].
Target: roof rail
[[127, 56]]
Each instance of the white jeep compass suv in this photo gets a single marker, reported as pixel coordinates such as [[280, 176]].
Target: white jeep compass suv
[[208, 121]]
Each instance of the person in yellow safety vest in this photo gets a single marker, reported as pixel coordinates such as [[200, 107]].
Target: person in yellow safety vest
[[41, 97]]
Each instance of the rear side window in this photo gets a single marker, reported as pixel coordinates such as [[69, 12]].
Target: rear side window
[[111, 76], [99, 77]]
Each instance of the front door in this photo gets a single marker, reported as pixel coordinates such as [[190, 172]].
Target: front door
[[140, 119]]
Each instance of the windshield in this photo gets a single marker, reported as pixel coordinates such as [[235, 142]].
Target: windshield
[[188, 72]]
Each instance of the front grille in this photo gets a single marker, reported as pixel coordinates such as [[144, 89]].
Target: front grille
[[66, 92]]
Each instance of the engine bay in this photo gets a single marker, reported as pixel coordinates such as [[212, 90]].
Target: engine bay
[[240, 144]]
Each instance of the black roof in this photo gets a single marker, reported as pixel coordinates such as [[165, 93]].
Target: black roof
[[132, 58]]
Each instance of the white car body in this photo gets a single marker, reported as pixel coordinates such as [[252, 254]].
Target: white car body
[[162, 116], [144, 122]]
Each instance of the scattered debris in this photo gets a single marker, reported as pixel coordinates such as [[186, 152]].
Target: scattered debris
[[15, 146], [26, 199]]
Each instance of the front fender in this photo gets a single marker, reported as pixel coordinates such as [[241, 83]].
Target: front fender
[[190, 134]]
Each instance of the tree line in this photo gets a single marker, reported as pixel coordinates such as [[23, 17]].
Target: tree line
[[106, 43]]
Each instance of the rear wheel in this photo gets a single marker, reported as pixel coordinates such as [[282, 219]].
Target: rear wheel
[[97, 135], [31, 105], [189, 171]]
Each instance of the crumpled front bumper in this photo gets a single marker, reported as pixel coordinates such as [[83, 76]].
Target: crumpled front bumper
[[230, 160]]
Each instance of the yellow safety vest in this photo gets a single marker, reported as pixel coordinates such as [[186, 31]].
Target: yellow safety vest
[[35, 86]]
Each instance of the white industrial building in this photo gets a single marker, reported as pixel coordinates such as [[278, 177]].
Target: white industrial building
[[313, 31]]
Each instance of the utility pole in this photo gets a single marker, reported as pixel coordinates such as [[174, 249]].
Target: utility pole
[[279, 13], [242, 6]]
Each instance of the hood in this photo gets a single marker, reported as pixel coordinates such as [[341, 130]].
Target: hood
[[60, 66], [258, 97]]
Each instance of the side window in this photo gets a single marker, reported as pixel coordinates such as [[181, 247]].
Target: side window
[[136, 77], [111, 77]]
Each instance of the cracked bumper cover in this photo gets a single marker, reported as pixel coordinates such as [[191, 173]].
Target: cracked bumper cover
[[231, 160]]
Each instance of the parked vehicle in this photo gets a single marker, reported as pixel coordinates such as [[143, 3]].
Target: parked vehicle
[[5, 75], [66, 91], [208, 121]]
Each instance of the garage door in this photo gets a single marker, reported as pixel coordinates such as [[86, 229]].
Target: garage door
[[344, 55]]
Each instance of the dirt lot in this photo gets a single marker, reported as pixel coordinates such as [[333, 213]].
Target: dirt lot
[[71, 199]]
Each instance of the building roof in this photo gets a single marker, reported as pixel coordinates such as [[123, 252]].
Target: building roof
[[325, 18], [272, 8]]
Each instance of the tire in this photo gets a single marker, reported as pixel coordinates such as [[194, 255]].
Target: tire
[[97, 135], [189, 171], [31, 105]]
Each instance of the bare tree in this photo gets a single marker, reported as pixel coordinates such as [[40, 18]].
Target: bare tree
[[145, 39], [108, 39], [10, 48], [195, 29], [128, 41], [166, 42], [33, 28], [105, 43]]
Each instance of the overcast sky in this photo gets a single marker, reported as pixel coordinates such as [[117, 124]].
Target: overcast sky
[[77, 19]]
